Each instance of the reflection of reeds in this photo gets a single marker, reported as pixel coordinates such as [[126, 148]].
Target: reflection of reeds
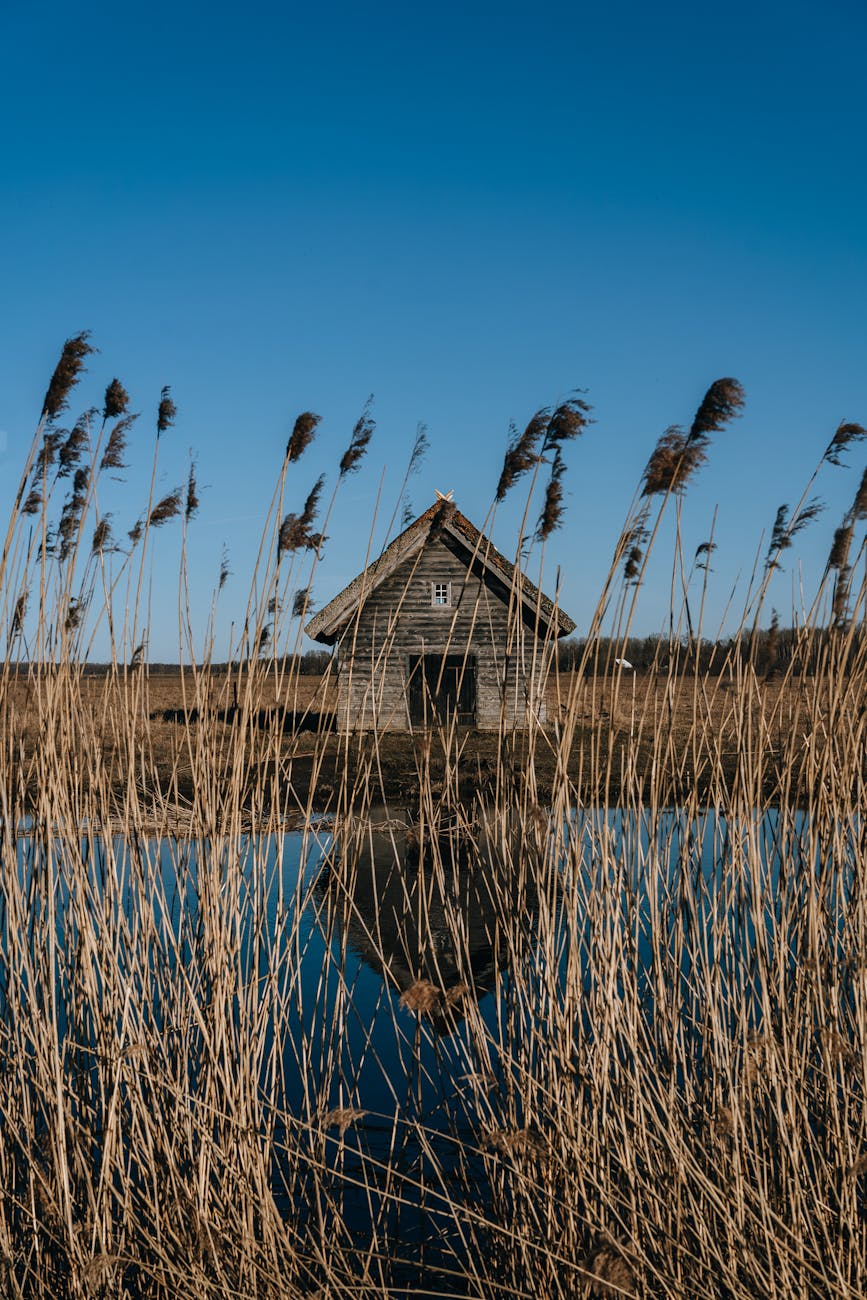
[[628, 1045]]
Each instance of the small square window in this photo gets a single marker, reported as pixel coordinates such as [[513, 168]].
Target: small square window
[[441, 594]]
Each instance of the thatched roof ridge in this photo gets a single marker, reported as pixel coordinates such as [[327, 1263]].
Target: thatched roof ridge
[[441, 517]]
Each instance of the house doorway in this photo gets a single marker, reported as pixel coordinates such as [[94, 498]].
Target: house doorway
[[442, 688]]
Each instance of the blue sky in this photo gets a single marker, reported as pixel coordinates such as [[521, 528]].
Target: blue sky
[[468, 211]]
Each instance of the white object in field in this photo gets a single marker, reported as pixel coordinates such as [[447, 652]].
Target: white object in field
[[623, 663]]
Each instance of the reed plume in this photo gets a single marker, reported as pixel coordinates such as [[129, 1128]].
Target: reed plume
[[678, 455], [295, 531], [166, 411], [115, 447], [672, 463], [66, 374], [703, 554], [169, 507], [101, 536], [522, 452], [116, 400], [358, 443], [191, 506], [47, 453], [785, 530], [72, 448], [420, 448], [845, 434], [19, 612], [551, 515], [225, 571], [840, 547], [33, 502], [303, 433], [859, 505], [568, 421], [721, 403]]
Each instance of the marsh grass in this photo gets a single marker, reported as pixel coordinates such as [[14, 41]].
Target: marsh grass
[[626, 1003]]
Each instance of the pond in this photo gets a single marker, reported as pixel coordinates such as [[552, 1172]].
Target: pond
[[383, 1008]]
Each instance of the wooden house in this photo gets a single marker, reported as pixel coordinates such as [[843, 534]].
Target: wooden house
[[440, 626]]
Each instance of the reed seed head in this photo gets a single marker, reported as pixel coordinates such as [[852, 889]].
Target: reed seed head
[[672, 463], [552, 512], [845, 434], [420, 448], [841, 598], [632, 565], [522, 453], [311, 505], [294, 533], [66, 374], [166, 411], [70, 451], [302, 602], [192, 502], [785, 530], [33, 503], [115, 447], [840, 547], [678, 455], [722, 402], [568, 421], [224, 570], [358, 443], [47, 452], [303, 433], [168, 508], [116, 400], [859, 505], [73, 615], [101, 536], [19, 612]]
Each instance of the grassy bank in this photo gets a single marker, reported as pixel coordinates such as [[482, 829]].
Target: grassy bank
[[673, 733]]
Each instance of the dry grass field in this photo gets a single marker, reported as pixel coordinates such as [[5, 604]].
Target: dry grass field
[[687, 733]]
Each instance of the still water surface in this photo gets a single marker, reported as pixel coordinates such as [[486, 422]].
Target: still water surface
[[329, 950]]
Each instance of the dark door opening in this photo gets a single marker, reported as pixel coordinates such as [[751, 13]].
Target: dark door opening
[[442, 688]]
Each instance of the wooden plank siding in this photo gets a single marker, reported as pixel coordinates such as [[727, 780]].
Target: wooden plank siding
[[397, 620]]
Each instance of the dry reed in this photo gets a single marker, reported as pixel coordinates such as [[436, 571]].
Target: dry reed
[[627, 1042]]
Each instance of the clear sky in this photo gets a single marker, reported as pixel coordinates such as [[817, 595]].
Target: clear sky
[[468, 211]]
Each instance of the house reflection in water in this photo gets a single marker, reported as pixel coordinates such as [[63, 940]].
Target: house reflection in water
[[428, 918]]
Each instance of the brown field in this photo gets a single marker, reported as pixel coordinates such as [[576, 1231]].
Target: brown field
[[693, 733]]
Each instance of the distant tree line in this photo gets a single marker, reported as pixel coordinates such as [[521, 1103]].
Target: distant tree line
[[769, 650], [312, 663]]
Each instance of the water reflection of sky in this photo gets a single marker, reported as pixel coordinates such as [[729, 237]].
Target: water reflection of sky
[[325, 946]]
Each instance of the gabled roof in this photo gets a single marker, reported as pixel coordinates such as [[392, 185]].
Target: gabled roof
[[442, 518]]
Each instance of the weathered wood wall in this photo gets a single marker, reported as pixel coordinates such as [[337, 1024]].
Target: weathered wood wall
[[398, 620]]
